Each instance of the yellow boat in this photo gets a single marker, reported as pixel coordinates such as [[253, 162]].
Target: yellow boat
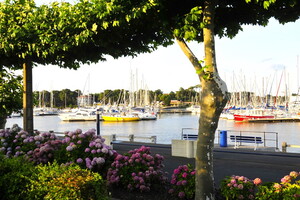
[[120, 118]]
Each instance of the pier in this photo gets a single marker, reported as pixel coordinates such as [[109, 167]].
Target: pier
[[274, 120]]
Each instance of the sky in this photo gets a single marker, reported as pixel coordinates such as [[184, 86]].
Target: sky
[[259, 59]]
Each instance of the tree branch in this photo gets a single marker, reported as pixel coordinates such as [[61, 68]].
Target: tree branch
[[190, 55]]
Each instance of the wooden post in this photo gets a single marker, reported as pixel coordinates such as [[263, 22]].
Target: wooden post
[[153, 139], [131, 138], [284, 146], [27, 98]]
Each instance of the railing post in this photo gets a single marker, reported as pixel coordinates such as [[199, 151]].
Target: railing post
[[284, 146], [98, 121], [131, 138], [114, 137], [153, 139], [264, 139], [276, 140]]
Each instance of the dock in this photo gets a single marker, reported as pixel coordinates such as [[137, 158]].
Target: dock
[[174, 111], [274, 120]]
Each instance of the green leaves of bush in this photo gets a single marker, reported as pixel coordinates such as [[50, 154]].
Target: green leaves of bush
[[14, 173], [55, 181]]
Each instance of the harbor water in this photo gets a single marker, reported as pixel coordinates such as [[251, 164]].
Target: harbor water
[[169, 126]]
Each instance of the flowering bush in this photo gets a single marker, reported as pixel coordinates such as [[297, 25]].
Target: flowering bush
[[288, 189], [87, 150], [54, 181], [44, 153], [16, 142], [183, 182], [137, 170], [239, 187]]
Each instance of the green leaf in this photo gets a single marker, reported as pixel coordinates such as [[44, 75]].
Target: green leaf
[[266, 4], [94, 27]]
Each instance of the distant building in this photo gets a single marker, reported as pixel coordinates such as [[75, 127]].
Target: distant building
[[84, 100], [175, 103]]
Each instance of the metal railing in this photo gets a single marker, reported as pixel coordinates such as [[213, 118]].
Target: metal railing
[[264, 134], [130, 138]]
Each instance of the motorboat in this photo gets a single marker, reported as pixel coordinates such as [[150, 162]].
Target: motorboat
[[80, 115], [123, 117], [254, 114]]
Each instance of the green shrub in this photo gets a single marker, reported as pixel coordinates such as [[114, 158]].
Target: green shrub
[[238, 187], [287, 189], [14, 173], [55, 181]]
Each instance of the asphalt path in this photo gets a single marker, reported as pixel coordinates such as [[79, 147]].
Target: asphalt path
[[269, 166]]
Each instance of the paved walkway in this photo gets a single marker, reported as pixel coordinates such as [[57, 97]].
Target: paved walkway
[[269, 166]]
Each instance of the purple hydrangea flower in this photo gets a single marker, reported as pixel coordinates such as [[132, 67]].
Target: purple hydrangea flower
[[181, 195], [69, 148]]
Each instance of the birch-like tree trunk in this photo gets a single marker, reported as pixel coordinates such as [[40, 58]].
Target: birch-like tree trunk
[[213, 99]]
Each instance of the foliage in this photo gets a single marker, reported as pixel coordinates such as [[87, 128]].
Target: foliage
[[238, 187], [11, 93], [183, 182], [56, 181], [85, 149], [137, 170], [68, 98], [288, 189], [13, 177], [166, 99]]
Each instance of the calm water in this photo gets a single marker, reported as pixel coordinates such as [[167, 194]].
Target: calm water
[[168, 127]]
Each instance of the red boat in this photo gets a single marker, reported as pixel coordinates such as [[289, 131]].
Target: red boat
[[254, 114]]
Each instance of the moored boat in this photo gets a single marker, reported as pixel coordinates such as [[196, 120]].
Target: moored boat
[[120, 118], [80, 115], [254, 114]]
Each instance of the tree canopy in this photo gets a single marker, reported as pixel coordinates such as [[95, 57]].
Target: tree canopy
[[10, 95], [68, 35]]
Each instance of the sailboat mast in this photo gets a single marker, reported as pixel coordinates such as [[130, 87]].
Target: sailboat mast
[[297, 73]]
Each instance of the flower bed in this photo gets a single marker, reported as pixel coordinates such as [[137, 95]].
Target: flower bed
[[134, 175]]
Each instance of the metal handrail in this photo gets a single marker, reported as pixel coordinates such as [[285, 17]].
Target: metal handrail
[[241, 133], [263, 133]]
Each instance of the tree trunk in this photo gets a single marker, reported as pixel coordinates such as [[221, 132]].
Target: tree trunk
[[2, 121], [27, 98], [213, 99]]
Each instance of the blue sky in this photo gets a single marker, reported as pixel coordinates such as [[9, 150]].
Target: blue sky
[[254, 60]]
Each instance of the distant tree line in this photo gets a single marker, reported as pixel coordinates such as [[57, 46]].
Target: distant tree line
[[67, 98]]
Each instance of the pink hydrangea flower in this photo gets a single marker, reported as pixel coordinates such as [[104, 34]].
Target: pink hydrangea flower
[[286, 179], [294, 174], [277, 186], [257, 181]]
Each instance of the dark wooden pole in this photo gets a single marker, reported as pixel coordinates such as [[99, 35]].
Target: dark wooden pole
[[27, 98]]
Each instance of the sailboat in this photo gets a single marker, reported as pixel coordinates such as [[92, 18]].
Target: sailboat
[[43, 110]]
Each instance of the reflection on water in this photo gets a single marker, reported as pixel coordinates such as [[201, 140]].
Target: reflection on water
[[166, 127]]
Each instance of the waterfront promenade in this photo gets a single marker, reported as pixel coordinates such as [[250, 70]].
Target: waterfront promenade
[[269, 166]]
